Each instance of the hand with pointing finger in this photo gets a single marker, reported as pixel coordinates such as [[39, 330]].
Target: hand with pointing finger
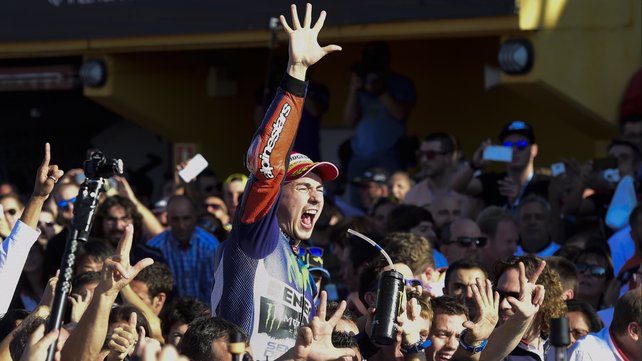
[[47, 176]]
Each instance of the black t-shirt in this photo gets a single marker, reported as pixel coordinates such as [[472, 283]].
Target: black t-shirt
[[490, 189]]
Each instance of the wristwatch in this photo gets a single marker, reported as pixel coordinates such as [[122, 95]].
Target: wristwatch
[[472, 349], [416, 347]]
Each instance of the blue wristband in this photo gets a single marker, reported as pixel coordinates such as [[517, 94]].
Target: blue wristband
[[472, 349], [417, 347]]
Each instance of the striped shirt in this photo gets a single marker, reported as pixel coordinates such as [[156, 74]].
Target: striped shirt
[[192, 268]]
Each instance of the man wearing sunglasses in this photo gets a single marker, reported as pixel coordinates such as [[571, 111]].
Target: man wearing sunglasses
[[261, 283], [506, 188], [461, 239], [436, 156]]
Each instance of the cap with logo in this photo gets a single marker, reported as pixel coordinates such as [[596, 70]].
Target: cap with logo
[[300, 165], [375, 174], [518, 127]]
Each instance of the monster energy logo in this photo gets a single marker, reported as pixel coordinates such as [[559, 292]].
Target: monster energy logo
[[271, 318], [278, 321]]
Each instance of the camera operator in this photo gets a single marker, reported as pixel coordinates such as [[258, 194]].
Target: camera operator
[[379, 102]]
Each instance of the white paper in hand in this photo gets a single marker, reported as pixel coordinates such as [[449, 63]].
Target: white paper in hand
[[193, 168]]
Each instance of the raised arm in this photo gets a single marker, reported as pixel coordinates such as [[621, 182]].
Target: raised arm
[[46, 178], [88, 337], [270, 147], [507, 336], [15, 249], [151, 225]]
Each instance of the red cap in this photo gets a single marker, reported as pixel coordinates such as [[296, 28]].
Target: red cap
[[300, 165]]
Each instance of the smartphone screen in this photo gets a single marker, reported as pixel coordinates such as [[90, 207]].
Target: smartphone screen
[[193, 168], [498, 153]]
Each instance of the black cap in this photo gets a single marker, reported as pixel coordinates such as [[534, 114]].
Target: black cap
[[375, 174], [518, 127]]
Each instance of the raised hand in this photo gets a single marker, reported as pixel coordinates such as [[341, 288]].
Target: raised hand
[[478, 156], [50, 290], [314, 342], [123, 340], [304, 48], [79, 304], [487, 303], [531, 295], [46, 176], [411, 322], [117, 272]]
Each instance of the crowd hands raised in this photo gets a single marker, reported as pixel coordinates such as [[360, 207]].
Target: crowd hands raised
[[488, 259]]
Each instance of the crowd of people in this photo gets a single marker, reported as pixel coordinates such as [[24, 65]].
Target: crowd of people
[[263, 266]]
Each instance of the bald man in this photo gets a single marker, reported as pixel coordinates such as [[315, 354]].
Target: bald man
[[188, 249]]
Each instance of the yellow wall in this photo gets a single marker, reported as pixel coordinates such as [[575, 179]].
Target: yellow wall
[[166, 92]]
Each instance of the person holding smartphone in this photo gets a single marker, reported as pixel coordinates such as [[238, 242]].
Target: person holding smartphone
[[505, 188]]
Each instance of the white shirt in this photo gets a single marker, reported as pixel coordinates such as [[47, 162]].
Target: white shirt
[[13, 255], [595, 347], [546, 252]]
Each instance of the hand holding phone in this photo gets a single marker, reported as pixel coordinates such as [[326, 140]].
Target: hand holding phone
[[193, 168], [557, 169], [498, 153]]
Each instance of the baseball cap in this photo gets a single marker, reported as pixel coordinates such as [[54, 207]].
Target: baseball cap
[[300, 165], [518, 127], [316, 264], [375, 174]]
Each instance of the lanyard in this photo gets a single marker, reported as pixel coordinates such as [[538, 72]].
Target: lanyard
[[522, 190]]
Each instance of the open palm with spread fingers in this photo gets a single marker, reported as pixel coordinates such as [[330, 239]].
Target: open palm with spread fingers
[[304, 47], [487, 303], [531, 295]]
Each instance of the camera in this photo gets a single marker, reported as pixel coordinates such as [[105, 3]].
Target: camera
[[99, 166]]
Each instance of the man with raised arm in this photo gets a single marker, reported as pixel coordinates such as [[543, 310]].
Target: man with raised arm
[[15, 248], [260, 283]]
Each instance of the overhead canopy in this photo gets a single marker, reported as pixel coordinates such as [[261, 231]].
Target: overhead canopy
[[45, 20]]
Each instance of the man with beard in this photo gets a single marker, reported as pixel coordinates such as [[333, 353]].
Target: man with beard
[[437, 157], [113, 216], [261, 283]]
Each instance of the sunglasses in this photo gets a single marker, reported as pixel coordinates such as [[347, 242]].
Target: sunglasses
[[45, 224], [413, 283], [66, 202], [429, 154], [215, 206], [504, 294], [520, 144], [597, 271], [312, 251], [467, 241]]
